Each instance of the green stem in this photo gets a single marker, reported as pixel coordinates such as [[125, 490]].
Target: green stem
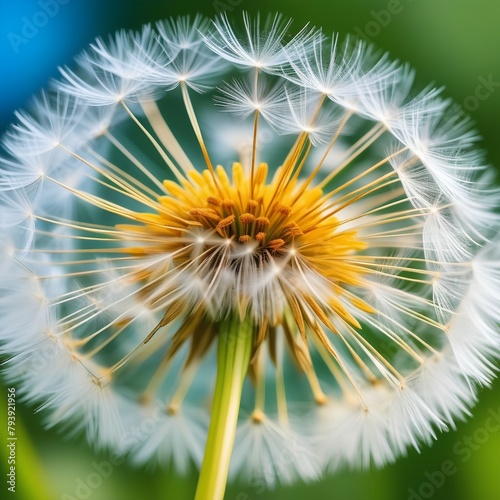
[[233, 357]]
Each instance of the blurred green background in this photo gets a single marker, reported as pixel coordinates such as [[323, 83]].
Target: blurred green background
[[454, 43]]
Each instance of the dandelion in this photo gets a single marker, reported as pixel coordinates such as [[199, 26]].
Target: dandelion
[[255, 241]]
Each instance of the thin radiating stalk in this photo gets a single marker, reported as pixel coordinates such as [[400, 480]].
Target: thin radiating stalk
[[233, 357]]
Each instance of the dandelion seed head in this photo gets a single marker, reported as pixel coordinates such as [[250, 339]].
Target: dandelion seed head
[[190, 175]]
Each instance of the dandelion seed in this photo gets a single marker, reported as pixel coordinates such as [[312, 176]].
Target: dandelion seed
[[338, 281]]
